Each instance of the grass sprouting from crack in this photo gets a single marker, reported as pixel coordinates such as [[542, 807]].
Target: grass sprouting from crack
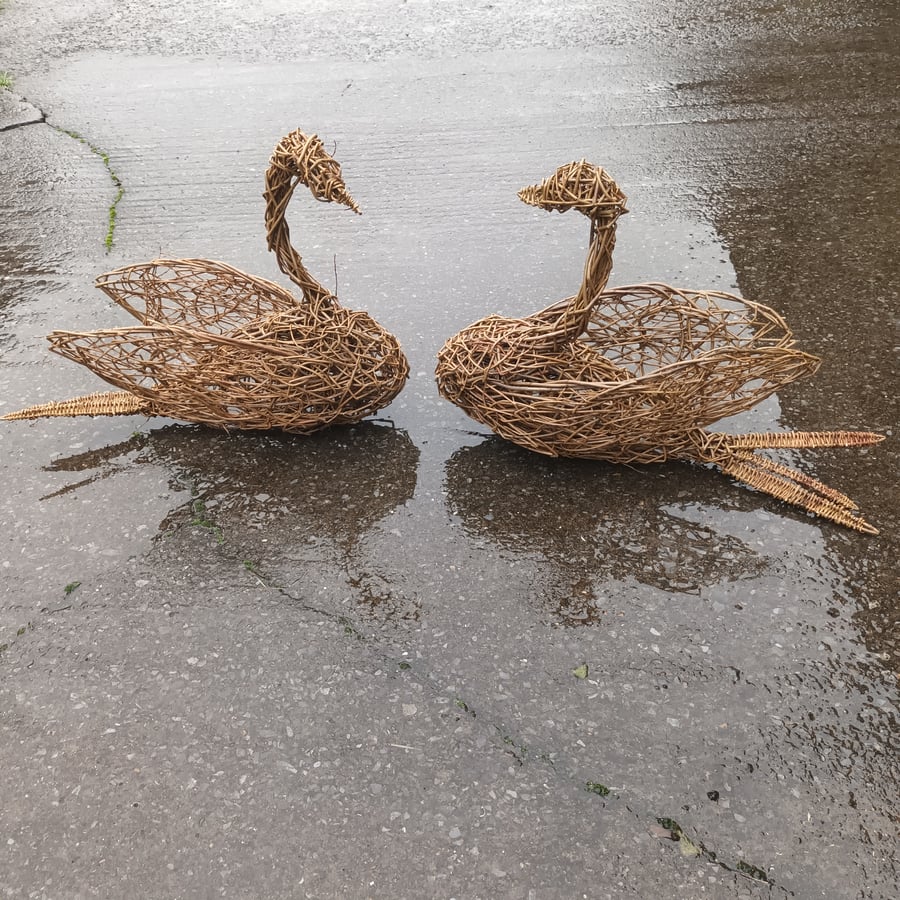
[[518, 752], [117, 182], [6, 83], [596, 788], [253, 569], [691, 847], [201, 520]]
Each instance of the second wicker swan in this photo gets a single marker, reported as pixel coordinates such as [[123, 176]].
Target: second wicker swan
[[637, 374], [223, 348]]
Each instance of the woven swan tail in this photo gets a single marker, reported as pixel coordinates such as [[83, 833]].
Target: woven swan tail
[[300, 159], [109, 403], [735, 455]]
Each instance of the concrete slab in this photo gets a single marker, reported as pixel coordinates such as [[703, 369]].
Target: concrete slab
[[407, 659]]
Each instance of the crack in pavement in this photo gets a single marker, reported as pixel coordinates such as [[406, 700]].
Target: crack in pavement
[[498, 735], [43, 119], [41, 115], [14, 125], [502, 738]]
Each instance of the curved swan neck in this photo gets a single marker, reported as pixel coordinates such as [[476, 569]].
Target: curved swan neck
[[280, 187], [597, 269]]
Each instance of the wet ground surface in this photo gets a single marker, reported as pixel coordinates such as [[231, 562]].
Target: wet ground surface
[[407, 659]]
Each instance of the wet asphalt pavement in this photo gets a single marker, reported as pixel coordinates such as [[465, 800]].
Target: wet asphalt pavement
[[407, 659]]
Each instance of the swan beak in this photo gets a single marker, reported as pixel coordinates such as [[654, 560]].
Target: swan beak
[[341, 195], [323, 178], [304, 157]]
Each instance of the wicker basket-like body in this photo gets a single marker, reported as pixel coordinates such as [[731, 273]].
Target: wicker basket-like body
[[218, 347], [654, 365], [223, 348]]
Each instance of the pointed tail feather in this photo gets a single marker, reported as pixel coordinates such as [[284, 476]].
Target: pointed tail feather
[[799, 440], [109, 403], [795, 488], [795, 476]]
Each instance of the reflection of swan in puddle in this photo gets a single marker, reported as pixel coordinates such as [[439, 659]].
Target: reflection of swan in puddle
[[527, 505], [269, 502]]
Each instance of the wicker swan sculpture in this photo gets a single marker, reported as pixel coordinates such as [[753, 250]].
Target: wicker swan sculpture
[[638, 373], [219, 347]]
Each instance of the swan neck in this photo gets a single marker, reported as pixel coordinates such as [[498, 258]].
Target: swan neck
[[597, 269], [280, 187], [599, 262]]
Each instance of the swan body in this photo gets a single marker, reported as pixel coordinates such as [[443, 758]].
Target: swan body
[[637, 374], [217, 346]]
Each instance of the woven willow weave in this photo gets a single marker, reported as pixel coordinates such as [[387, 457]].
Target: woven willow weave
[[226, 349], [636, 374]]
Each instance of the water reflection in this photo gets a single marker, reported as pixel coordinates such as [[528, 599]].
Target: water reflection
[[277, 501], [595, 522], [826, 253]]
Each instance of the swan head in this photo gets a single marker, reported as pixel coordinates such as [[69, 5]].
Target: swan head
[[304, 157], [578, 185]]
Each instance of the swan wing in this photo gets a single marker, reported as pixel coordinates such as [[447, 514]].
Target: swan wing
[[219, 380], [142, 359], [644, 327], [711, 354], [725, 382], [195, 293], [642, 419]]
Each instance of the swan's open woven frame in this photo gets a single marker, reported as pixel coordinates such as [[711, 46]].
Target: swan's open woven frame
[[642, 373], [223, 348]]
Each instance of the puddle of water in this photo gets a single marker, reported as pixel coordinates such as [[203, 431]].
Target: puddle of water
[[403, 261]]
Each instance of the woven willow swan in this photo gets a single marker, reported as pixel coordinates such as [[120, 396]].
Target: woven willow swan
[[222, 348], [636, 374]]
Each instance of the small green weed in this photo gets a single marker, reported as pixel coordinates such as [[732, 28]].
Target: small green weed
[[753, 872], [350, 629], [672, 825], [201, 520], [596, 788], [253, 569], [117, 182]]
